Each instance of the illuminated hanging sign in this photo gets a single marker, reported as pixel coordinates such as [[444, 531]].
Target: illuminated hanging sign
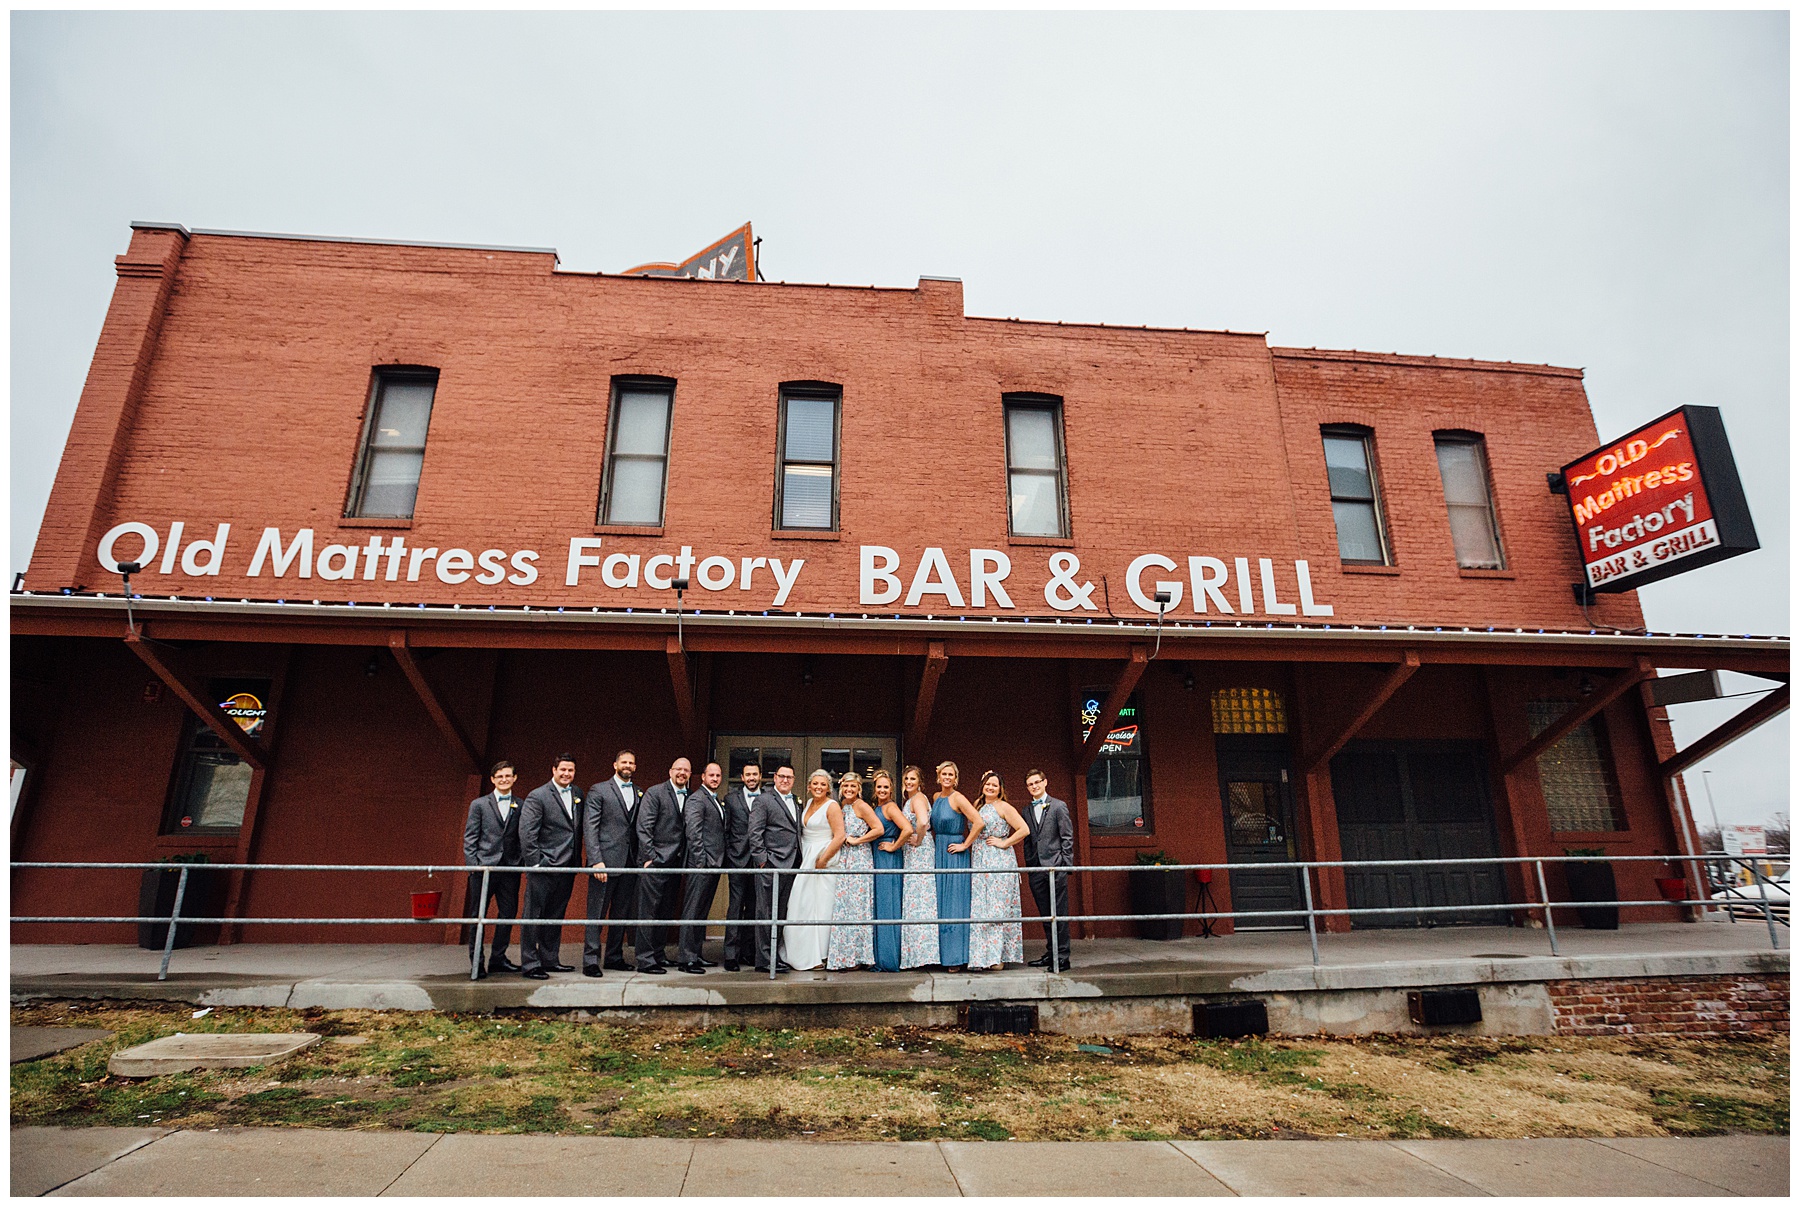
[[1659, 501], [732, 258], [246, 710], [1119, 740]]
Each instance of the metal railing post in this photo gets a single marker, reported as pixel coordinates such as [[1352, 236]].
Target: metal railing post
[[1312, 927], [775, 927], [1549, 920], [1055, 940], [162, 974], [1762, 888], [480, 917]]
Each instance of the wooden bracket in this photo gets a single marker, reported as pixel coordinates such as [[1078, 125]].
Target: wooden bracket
[[447, 725], [1384, 691], [1109, 711], [1620, 683], [683, 684], [1767, 708], [937, 661], [199, 701]]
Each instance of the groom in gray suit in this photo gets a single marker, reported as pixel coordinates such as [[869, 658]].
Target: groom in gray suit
[[703, 818], [774, 845], [1051, 844]]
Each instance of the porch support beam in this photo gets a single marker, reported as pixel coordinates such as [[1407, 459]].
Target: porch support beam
[[936, 663], [1129, 674], [683, 684], [1620, 683], [1384, 691], [1765, 709], [447, 724], [199, 701]]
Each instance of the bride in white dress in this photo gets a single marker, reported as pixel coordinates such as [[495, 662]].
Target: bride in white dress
[[821, 834]]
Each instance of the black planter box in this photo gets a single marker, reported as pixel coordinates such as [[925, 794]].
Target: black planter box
[[1155, 890], [1593, 881], [156, 895]]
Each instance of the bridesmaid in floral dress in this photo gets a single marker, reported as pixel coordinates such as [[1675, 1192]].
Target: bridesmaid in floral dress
[[852, 943], [890, 892], [996, 936], [918, 944]]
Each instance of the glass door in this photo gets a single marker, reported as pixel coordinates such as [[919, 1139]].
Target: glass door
[[1255, 786]]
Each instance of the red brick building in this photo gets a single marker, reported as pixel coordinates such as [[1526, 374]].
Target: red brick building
[[405, 509]]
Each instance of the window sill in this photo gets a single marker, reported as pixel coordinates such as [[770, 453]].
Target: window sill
[[1501, 574], [374, 522], [1389, 571], [1143, 839], [1588, 838], [210, 840], [628, 529], [1043, 542], [804, 534]]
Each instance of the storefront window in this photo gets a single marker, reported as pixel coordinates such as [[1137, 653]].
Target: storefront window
[[1118, 798], [212, 785], [1248, 710], [1576, 774]]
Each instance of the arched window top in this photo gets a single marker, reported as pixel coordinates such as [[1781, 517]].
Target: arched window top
[[1248, 710]]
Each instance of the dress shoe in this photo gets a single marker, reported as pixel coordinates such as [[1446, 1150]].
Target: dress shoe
[[706, 963], [655, 970], [782, 966], [502, 964], [562, 968], [592, 970], [1042, 961], [694, 968], [536, 974], [481, 974], [731, 965], [618, 965]]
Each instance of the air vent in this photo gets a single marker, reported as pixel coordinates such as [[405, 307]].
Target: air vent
[[1229, 1020], [1443, 1007], [990, 1018]]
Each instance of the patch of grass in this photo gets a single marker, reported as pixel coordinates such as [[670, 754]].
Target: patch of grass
[[987, 1129], [1686, 1113]]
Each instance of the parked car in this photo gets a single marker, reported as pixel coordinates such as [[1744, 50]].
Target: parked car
[[1745, 900]]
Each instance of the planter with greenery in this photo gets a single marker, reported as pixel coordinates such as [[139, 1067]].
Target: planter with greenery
[[1593, 880], [1157, 890]]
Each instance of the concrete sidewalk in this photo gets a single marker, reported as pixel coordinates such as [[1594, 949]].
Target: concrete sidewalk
[[287, 1161]]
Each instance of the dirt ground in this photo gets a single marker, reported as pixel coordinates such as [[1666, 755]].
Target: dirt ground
[[499, 1073]]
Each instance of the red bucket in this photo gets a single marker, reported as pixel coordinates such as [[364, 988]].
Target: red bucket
[[1673, 888], [425, 906]]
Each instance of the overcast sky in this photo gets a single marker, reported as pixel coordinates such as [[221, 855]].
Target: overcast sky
[[1607, 191]]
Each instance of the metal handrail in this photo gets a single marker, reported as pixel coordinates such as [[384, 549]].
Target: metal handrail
[[1306, 868]]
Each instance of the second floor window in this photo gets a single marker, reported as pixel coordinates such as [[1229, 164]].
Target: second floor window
[[807, 495], [1463, 462], [393, 444], [1355, 496], [1034, 468], [637, 453]]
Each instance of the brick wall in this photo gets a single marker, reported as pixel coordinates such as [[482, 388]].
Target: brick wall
[[1700, 1005]]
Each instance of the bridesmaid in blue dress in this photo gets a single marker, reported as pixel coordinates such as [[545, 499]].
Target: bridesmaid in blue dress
[[890, 852], [956, 826]]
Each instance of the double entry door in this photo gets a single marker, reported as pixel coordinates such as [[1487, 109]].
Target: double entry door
[[806, 753], [1256, 785]]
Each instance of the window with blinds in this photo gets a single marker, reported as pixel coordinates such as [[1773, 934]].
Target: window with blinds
[[1036, 481], [386, 483], [637, 453], [807, 487], [1462, 460], [1355, 496], [1576, 774]]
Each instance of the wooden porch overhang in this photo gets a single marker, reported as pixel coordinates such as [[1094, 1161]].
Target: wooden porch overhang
[[1107, 639]]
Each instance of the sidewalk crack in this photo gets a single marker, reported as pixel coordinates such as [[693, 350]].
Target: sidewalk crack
[[1602, 1141], [687, 1169], [409, 1165], [949, 1168]]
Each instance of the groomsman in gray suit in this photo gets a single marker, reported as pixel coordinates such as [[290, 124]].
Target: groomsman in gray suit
[[1051, 844], [549, 837], [660, 838], [491, 839], [741, 902], [774, 844], [609, 831], [703, 817]]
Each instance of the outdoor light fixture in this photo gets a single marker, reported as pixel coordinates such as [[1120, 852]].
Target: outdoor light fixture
[[373, 666], [1163, 599], [126, 570], [681, 585]]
